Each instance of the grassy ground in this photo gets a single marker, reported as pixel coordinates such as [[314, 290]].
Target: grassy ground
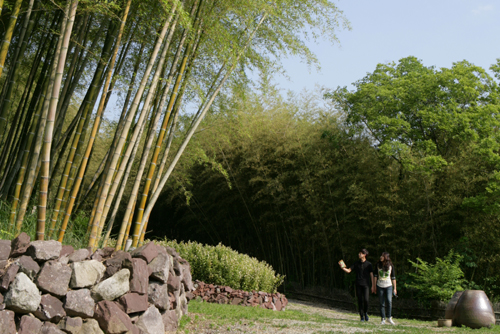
[[298, 318], [76, 233]]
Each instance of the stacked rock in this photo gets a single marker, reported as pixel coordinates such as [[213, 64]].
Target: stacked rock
[[48, 288], [225, 295]]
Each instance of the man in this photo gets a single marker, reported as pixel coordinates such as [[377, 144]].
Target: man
[[364, 275]]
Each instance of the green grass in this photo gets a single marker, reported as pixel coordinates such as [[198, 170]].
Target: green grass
[[76, 232], [226, 318]]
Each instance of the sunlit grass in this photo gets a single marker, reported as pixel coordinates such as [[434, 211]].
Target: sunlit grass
[[227, 318]]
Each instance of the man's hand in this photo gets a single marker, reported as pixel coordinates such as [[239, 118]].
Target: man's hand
[[374, 289]]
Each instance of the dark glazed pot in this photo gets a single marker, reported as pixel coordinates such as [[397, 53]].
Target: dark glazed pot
[[450, 308], [474, 310]]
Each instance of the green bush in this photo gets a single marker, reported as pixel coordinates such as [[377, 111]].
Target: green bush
[[438, 281], [223, 266]]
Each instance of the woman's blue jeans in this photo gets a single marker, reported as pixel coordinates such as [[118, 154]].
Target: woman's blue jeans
[[385, 295]]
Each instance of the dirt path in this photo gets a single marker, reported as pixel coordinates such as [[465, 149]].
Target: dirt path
[[323, 319]]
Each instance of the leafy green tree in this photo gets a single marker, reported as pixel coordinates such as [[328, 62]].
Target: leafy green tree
[[438, 281]]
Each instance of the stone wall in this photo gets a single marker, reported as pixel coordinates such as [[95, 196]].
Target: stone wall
[[225, 295], [47, 288]]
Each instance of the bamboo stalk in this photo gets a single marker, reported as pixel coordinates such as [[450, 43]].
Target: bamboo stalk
[[3, 56], [95, 127], [114, 159], [34, 161], [45, 166], [156, 194], [159, 142], [77, 145]]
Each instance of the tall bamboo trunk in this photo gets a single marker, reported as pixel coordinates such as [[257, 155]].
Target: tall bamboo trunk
[[74, 82], [87, 105], [156, 194], [45, 166], [66, 94], [27, 185], [28, 25], [133, 195], [159, 142], [120, 194], [3, 56], [37, 96], [114, 159], [175, 114], [100, 111]]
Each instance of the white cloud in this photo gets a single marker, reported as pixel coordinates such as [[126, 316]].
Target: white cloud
[[483, 9]]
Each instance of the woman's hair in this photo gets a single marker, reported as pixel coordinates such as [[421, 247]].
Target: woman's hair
[[364, 251], [386, 263]]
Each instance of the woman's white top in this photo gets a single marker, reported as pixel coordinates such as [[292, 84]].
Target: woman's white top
[[384, 277]]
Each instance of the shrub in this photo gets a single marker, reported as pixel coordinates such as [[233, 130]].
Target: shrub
[[438, 281], [223, 266]]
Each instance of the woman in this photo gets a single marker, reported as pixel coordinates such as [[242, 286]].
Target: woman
[[384, 278]]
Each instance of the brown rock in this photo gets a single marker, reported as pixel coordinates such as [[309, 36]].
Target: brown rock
[[67, 250], [174, 299], [29, 325], [91, 326], [186, 278], [50, 309], [19, 245], [54, 278], [147, 252], [79, 303], [160, 267], [78, 255], [171, 251], [178, 270], [139, 275], [236, 301], [28, 266], [8, 276], [115, 263], [170, 321], [7, 323], [174, 283], [278, 305], [151, 322], [5, 249], [113, 320], [158, 295], [71, 325], [4, 264], [44, 250], [190, 296], [50, 328], [103, 253], [133, 302]]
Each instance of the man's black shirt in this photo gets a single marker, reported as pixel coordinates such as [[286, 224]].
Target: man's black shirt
[[363, 270]]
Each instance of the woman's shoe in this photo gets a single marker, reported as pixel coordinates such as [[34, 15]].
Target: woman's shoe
[[391, 322], [382, 322]]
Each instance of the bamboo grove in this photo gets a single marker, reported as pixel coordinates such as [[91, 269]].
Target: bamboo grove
[[67, 67]]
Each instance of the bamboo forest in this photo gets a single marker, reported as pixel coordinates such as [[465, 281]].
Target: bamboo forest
[[160, 119]]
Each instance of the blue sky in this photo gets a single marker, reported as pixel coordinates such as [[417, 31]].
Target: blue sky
[[438, 32]]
